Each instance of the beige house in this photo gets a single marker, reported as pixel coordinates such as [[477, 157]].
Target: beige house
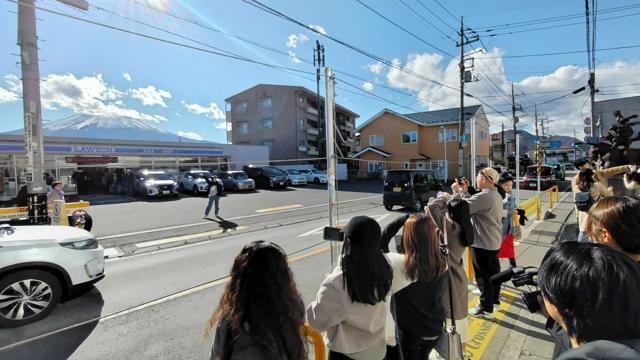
[[426, 140]]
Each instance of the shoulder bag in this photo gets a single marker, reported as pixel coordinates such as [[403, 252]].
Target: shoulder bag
[[449, 344]]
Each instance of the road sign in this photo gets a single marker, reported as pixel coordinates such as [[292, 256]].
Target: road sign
[[592, 139], [587, 130], [587, 121], [555, 144]]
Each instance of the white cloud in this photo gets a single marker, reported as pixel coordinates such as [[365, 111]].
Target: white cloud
[[190, 135], [319, 29], [223, 126], [614, 80], [7, 96], [211, 111], [375, 68], [127, 77], [150, 96], [85, 95], [294, 39], [294, 58], [367, 86]]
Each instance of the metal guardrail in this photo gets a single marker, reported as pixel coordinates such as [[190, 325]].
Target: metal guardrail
[[320, 352]]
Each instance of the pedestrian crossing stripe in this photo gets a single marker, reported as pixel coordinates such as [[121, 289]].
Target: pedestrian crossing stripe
[[319, 230], [184, 238]]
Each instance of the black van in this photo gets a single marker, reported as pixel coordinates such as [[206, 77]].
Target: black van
[[411, 188], [267, 176]]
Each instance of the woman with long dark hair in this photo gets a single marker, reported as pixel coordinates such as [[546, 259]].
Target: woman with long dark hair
[[615, 221], [419, 310], [587, 184], [350, 302], [261, 314], [507, 249]]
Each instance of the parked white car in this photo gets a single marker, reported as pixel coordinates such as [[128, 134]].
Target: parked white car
[[314, 175], [194, 181], [39, 265], [295, 177]]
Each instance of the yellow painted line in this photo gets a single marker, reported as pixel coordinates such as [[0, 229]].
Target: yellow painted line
[[286, 207], [13, 210], [76, 205], [481, 331], [186, 237]]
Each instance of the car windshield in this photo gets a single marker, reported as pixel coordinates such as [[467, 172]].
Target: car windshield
[[155, 176], [293, 172], [544, 171], [397, 178], [239, 176], [315, 171], [271, 171], [201, 175]]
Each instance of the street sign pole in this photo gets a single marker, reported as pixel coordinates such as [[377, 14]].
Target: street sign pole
[[331, 162]]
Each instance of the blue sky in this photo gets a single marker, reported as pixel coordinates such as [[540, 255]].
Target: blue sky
[[182, 90]]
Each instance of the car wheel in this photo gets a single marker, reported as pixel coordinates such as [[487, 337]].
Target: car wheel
[[195, 190], [316, 181], [417, 205], [81, 219], [388, 207], [27, 296]]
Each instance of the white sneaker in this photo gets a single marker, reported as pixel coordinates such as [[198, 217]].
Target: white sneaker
[[476, 291], [478, 312]]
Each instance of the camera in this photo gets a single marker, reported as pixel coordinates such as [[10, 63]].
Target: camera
[[522, 276], [333, 234]]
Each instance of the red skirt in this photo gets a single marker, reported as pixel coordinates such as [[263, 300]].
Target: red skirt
[[507, 249]]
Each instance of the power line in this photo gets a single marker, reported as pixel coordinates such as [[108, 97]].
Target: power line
[[436, 15], [425, 20], [403, 29], [563, 52], [446, 10]]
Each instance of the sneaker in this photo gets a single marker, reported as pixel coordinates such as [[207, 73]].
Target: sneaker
[[478, 312], [476, 291]]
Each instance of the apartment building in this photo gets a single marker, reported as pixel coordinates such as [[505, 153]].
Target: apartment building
[[425, 140], [288, 121]]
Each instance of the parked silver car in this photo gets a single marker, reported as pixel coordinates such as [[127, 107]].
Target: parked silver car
[[195, 181], [314, 175], [295, 177], [236, 180]]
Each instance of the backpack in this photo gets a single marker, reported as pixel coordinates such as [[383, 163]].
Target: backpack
[[583, 201]]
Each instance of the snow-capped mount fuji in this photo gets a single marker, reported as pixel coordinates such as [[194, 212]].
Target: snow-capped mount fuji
[[108, 127]]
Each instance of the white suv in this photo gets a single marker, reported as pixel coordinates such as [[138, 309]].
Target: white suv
[[41, 264], [313, 175], [195, 181]]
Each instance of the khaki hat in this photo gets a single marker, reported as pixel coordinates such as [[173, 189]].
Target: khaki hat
[[56, 182], [491, 174]]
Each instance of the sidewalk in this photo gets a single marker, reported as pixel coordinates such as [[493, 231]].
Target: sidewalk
[[516, 333]]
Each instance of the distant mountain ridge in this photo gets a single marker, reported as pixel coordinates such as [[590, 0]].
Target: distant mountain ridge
[[528, 140], [107, 127]]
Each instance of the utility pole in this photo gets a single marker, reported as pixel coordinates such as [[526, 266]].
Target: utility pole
[[535, 117], [318, 62], [31, 105], [331, 161], [575, 150], [502, 146], [463, 41], [591, 57], [515, 107]]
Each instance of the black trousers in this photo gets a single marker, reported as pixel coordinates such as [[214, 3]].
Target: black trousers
[[485, 265], [414, 347]]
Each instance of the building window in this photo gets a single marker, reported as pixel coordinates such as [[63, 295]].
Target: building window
[[409, 137], [227, 106], [265, 103], [240, 107], [376, 140], [452, 135], [243, 127], [268, 143], [267, 123], [375, 166]]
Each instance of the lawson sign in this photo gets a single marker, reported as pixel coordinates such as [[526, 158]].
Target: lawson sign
[[120, 150]]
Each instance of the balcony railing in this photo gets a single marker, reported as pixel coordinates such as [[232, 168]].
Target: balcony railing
[[312, 131]]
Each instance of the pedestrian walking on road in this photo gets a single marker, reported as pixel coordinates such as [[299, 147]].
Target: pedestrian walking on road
[[508, 249], [261, 313], [592, 291], [215, 191], [614, 221], [349, 305], [586, 193], [485, 208]]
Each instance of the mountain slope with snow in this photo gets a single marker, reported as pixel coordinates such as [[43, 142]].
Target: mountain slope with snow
[[105, 127]]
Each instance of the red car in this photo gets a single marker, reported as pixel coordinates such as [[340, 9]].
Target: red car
[[530, 180]]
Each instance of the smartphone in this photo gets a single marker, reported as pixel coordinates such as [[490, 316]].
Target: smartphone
[[333, 234]]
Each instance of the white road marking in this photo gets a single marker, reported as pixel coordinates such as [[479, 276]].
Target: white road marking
[[235, 218], [186, 237]]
